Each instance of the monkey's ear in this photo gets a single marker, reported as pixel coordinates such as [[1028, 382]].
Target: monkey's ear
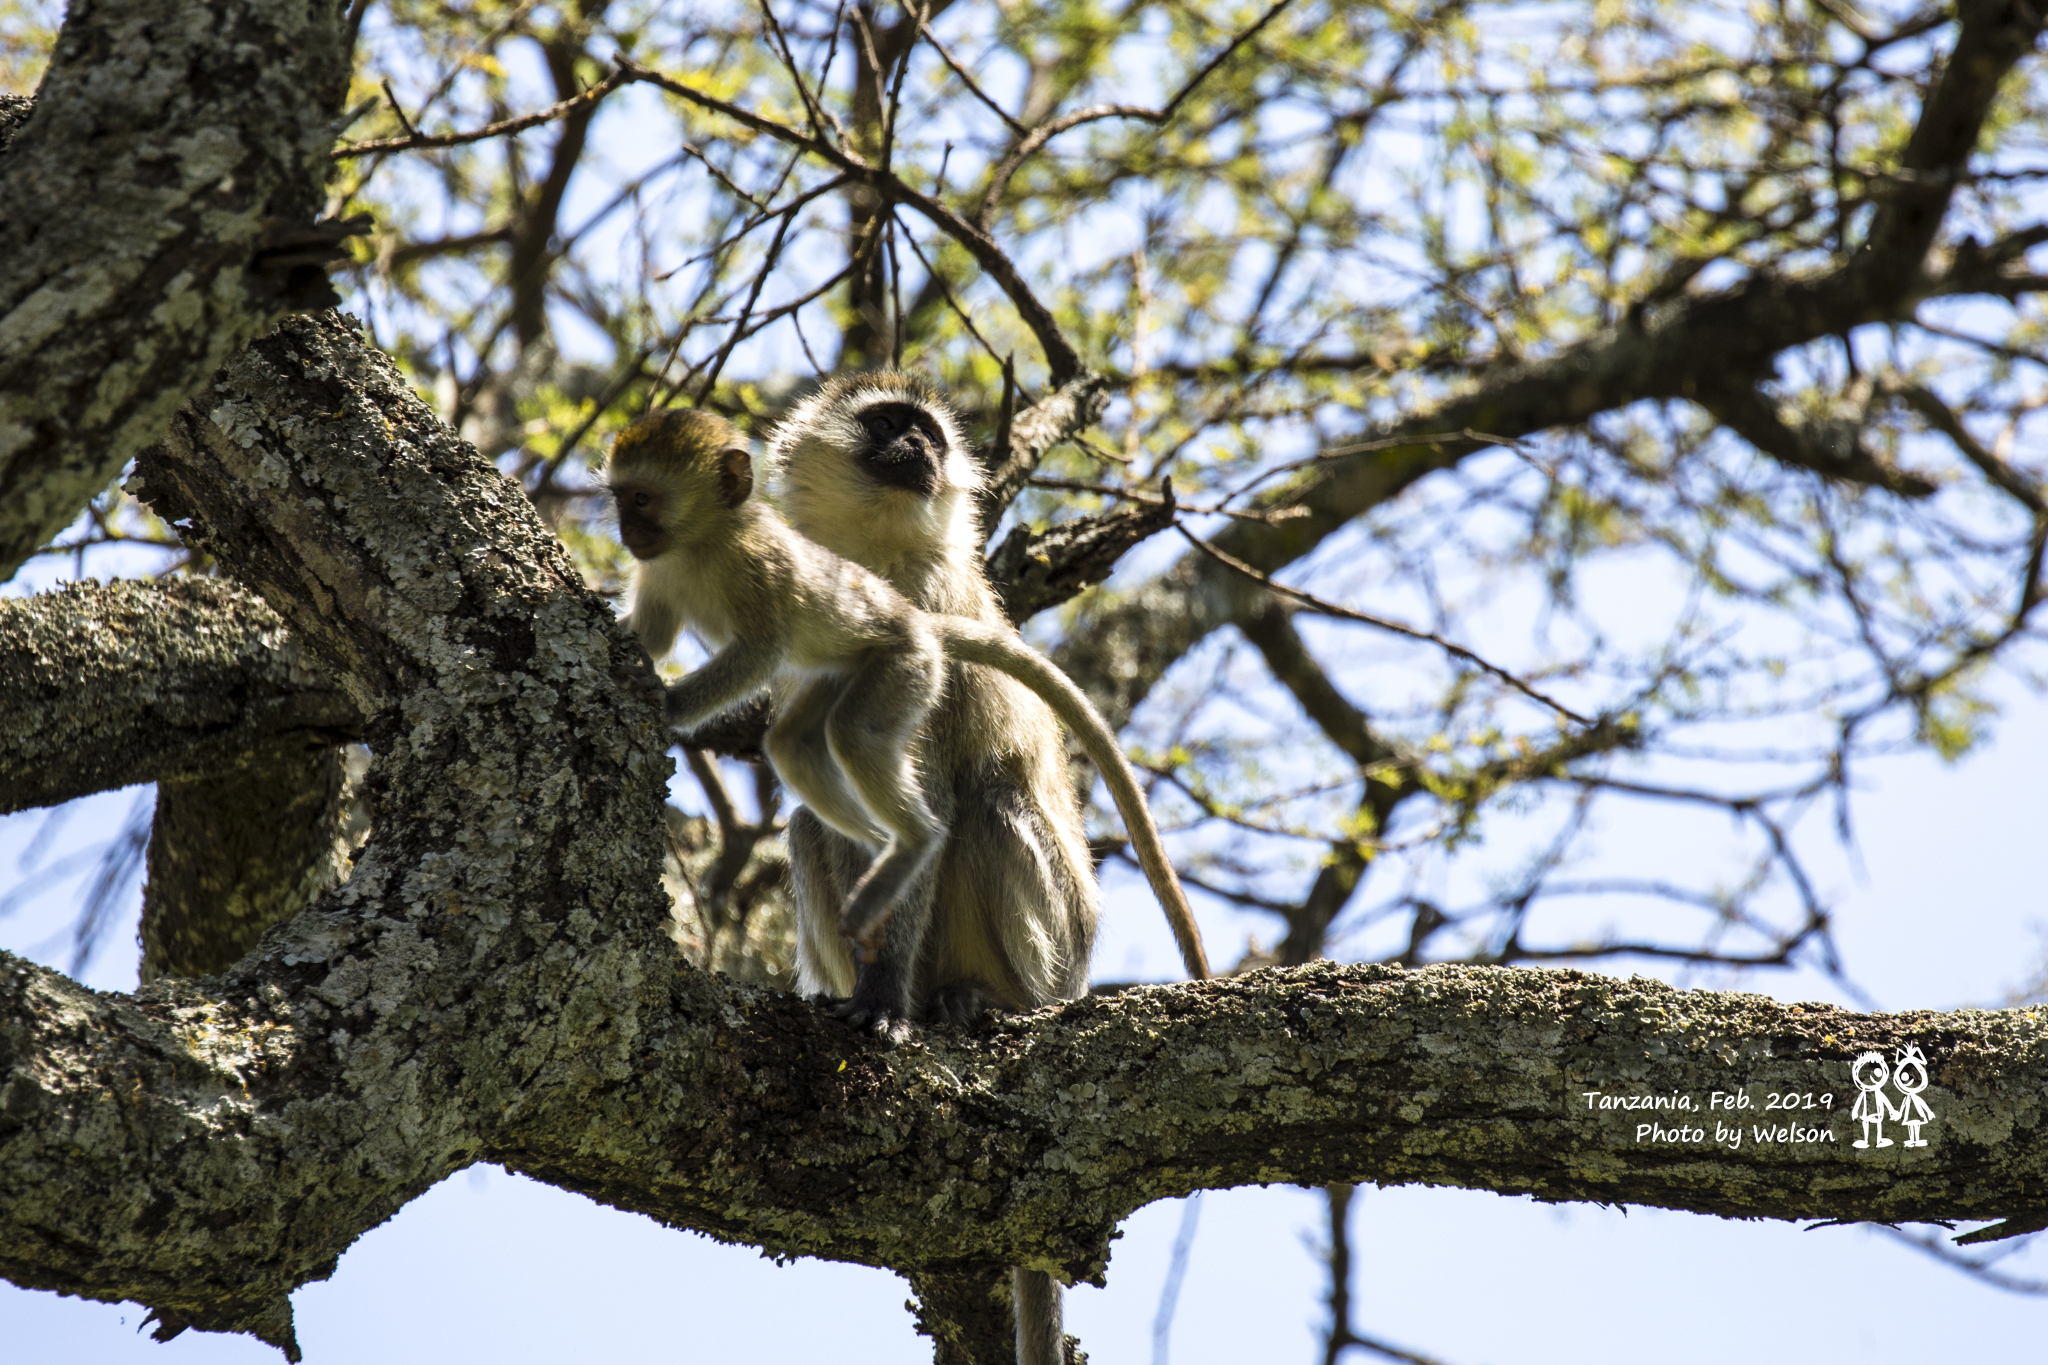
[[735, 476]]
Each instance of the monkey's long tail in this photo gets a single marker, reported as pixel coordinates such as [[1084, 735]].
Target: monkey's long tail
[[977, 642]]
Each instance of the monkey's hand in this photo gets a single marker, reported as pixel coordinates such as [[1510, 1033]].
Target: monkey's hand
[[644, 683], [728, 678]]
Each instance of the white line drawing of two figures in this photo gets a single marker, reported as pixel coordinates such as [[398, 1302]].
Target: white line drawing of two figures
[[1873, 1106]]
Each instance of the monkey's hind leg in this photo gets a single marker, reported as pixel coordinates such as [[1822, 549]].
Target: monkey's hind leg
[[885, 700], [886, 988], [802, 755], [823, 866], [1019, 903]]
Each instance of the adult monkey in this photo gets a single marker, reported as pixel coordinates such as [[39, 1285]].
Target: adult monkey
[[874, 467]]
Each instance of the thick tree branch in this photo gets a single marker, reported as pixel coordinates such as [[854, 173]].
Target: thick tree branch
[[196, 685], [1061, 415], [1033, 571], [130, 272], [1025, 1144], [106, 685], [514, 870], [966, 1313], [14, 111], [231, 854], [1832, 448]]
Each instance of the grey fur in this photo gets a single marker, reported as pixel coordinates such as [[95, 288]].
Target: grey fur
[[1007, 917]]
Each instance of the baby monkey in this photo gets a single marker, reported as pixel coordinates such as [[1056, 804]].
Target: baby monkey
[[777, 607]]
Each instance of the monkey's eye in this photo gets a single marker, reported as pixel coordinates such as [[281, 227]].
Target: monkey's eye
[[643, 501], [881, 422]]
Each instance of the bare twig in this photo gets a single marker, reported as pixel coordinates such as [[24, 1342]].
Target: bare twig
[[789, 63], [1060, 355], [1322, 608], [399, 110], [1176, 1274], [967, 80], [1341, 1335], [1943, 419], [1140, 495], [947, 294], [1028, 146], [1980, 1269], [504, 128], [1338, 452]]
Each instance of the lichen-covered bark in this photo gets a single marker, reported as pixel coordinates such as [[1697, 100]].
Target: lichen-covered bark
[[1032, 572], [495, 981], [967, 1314], [232, 853], [731, 1111], [1060, 415], [14, 111], [168, 145], [107, 685], [1029, 1143], [196, 685], [502, 943]]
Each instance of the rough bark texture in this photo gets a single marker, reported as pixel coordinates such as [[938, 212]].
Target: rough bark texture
[[518, 791], [107, 685], [967, 1314], [14, 111], [1070, 408], [168, 146], [496, 981], [728, 1110], [232, 853], [1036, 571]]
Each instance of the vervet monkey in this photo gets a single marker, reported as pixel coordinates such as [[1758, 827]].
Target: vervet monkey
[[859, 667], [874, 467]]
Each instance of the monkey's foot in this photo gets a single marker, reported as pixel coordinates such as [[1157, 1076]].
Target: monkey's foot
[[889, 1022], [958, 1004]]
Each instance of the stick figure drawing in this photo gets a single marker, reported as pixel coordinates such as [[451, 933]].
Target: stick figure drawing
[[1912, 1109], [1872, 1106]]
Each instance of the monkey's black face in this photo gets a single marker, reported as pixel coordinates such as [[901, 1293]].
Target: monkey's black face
[[904, 447], [639, 519]]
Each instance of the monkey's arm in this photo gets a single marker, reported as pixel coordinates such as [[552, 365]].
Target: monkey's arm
[[654, 621], [727, 678], [976, 642]]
